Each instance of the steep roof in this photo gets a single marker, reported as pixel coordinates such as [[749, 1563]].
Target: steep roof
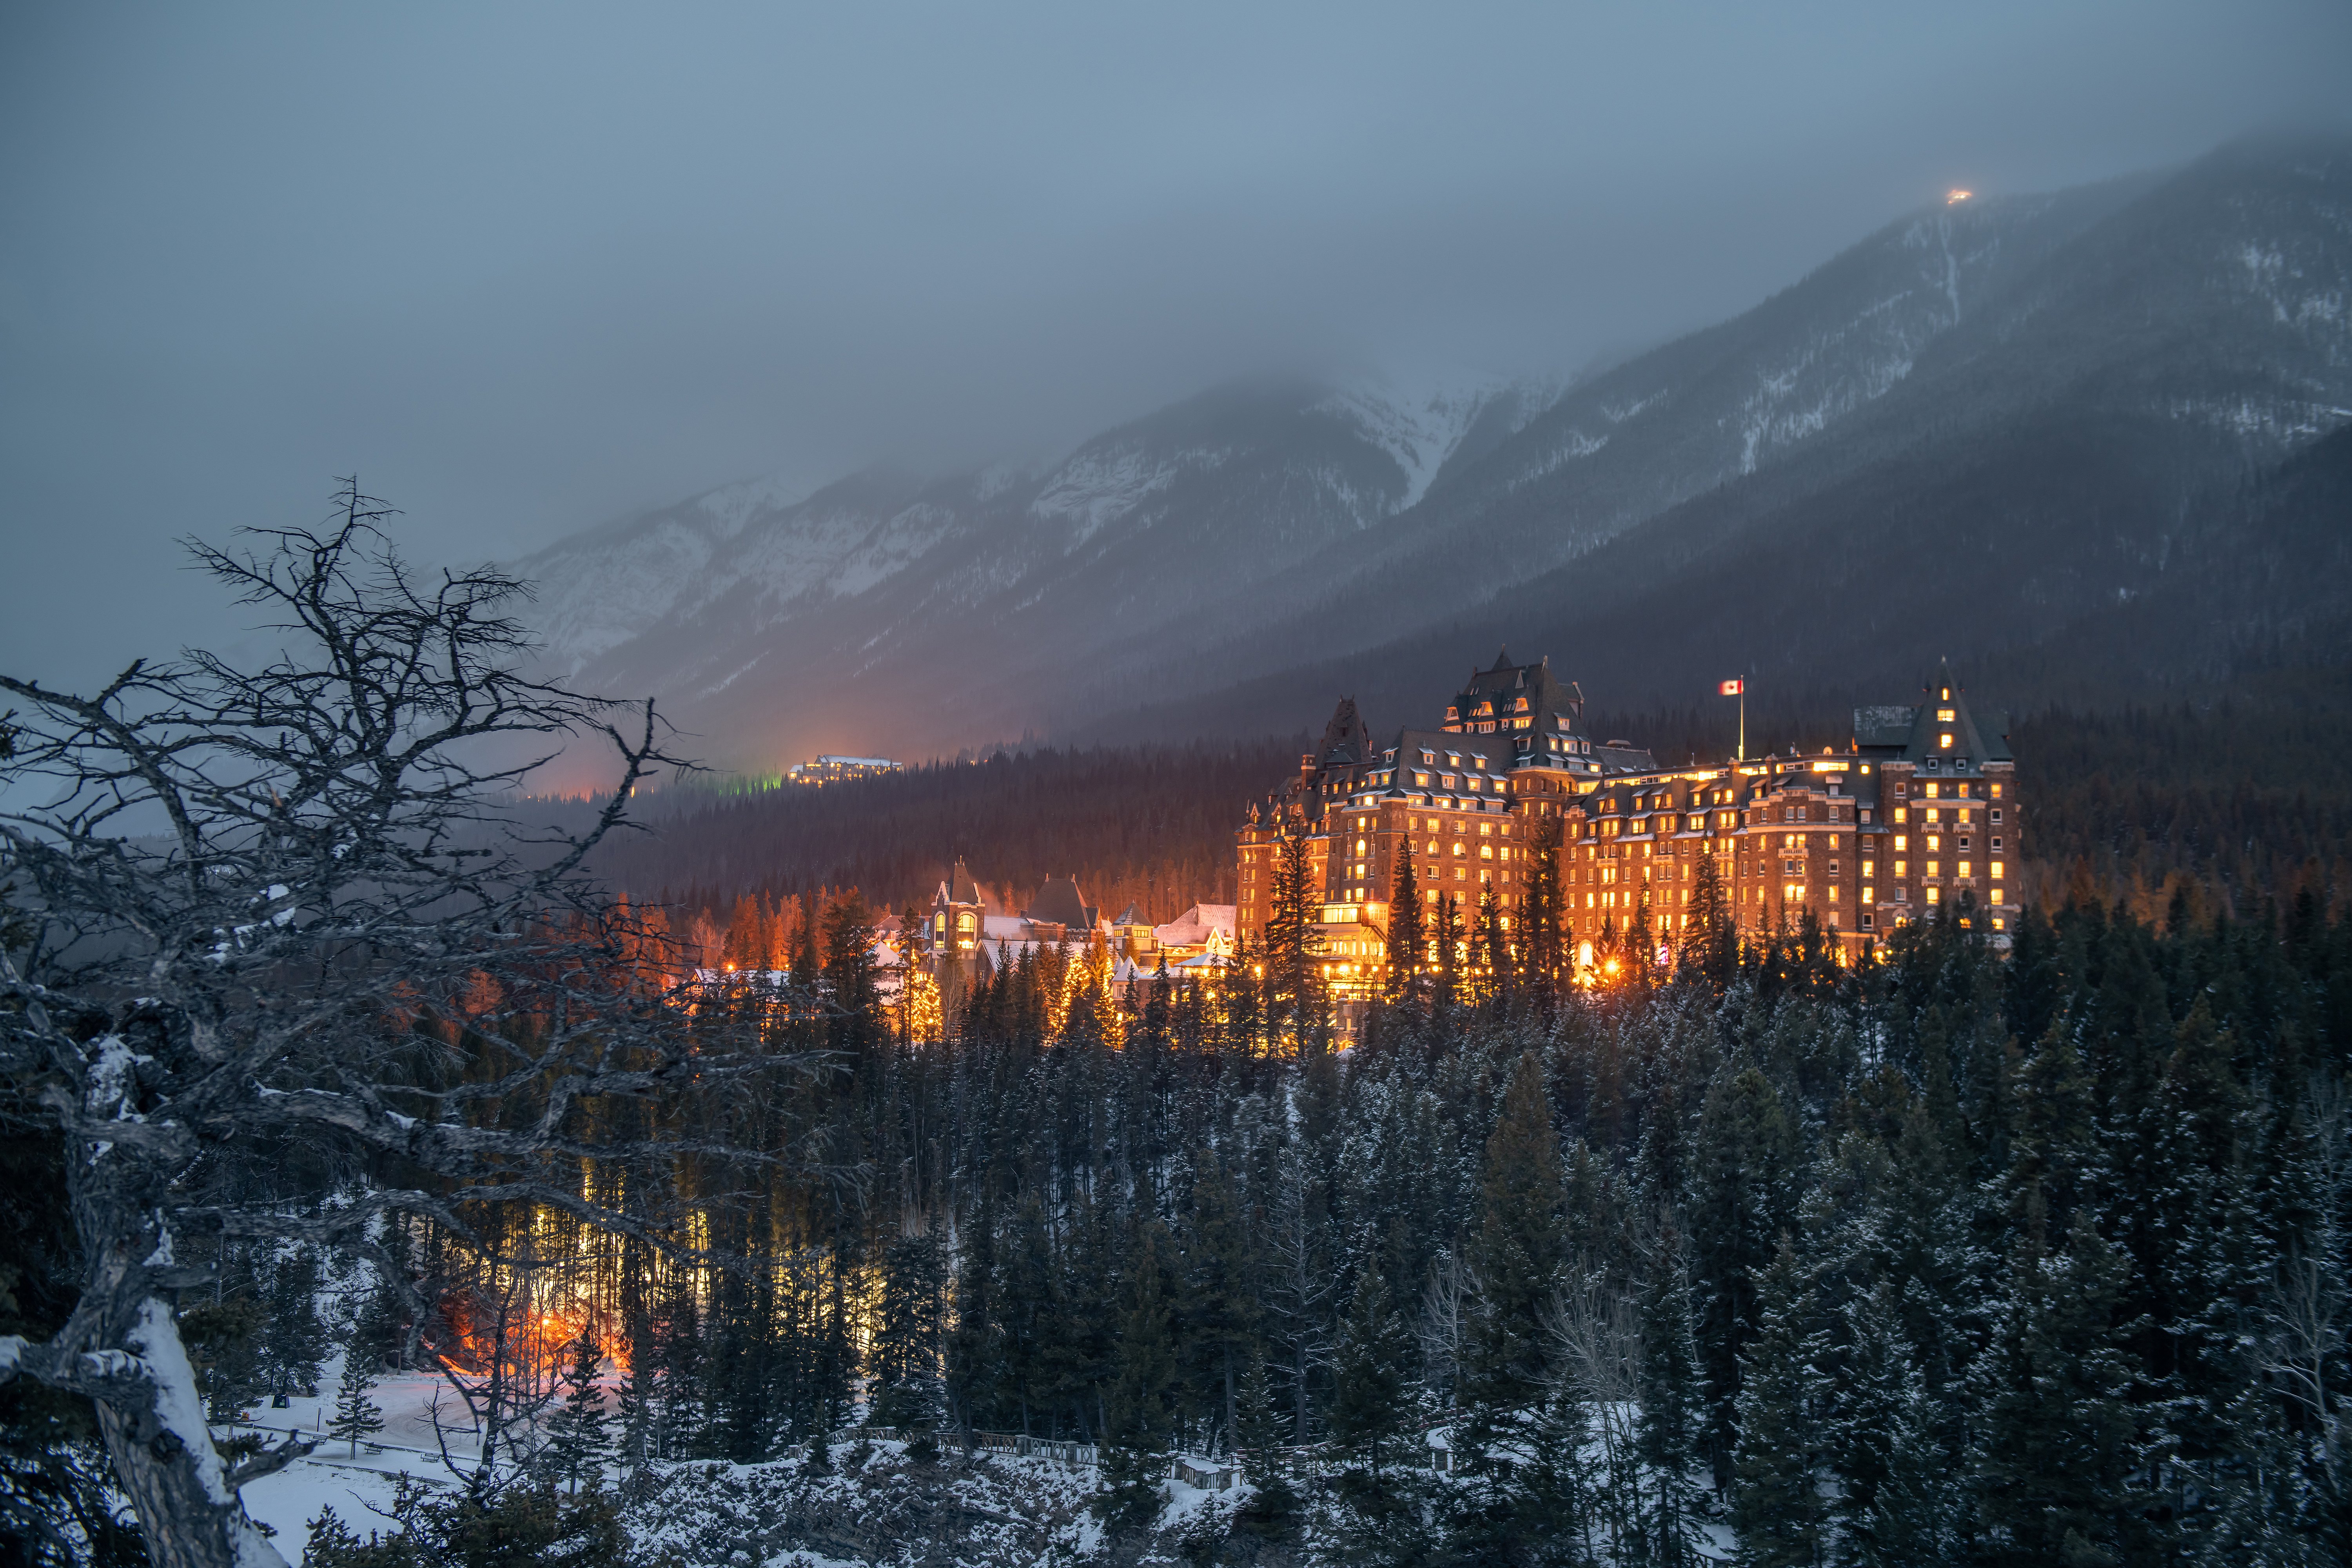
[[1918, 735], [1347, 737], [962, 886], [1060, 902]]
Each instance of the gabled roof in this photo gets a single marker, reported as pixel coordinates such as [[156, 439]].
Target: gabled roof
[[1196, 925], [1060, 902], [1131, 916], [962, 886]]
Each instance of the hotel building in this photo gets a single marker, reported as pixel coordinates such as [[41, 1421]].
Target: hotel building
[[1918, 810]]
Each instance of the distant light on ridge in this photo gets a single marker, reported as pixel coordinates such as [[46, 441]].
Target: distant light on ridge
[[1954, 198]]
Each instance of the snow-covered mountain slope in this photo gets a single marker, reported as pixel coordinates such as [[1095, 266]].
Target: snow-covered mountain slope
[[598, 590], [1273, 525], [1021, 568]]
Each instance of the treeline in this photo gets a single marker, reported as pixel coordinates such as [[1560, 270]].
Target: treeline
[[2222, 807], [1956, 1257], [1150, 825]]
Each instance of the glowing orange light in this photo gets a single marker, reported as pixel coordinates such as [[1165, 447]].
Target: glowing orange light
[[1954, 198]]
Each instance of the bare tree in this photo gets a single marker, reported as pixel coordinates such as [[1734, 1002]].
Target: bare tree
[[285, 919], [1592, 1338]]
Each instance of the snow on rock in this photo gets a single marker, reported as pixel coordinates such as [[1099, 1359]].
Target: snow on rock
[[1101, 485], [1420, 426]]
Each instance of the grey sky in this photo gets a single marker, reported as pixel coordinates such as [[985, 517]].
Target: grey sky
[[529, 267]]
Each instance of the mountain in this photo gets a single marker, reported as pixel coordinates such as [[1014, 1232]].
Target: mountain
[[897, 613], [1983, 425]]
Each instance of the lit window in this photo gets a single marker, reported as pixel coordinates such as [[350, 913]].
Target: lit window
[[1996, 870], [1900, 867], [1996, 899], [1931, 867], [1944, 715], [1902, 841], [1944, 742]]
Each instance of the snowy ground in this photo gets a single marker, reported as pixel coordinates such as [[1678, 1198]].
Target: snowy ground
[[290, 1500]]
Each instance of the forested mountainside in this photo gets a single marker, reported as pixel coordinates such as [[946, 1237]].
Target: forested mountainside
[[1984, 426], [2097, 550], [1148, 826], [1952, 1259], [2230, 803]]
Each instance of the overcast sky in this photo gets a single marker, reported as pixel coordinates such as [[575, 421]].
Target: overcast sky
[[527, 268]]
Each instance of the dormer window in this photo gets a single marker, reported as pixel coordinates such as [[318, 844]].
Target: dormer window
[[1944, 715]]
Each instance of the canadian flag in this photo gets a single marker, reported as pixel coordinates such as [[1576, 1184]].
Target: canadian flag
[[1731, 688]]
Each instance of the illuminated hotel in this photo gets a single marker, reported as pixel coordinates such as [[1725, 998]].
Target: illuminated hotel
[[1918, 810]]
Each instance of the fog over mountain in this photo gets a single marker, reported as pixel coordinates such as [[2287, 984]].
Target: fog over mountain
[[533, 269], [1960, 437]]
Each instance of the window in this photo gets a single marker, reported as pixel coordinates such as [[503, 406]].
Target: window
[[1931, 867], [1996, 842], [1866, 916], [1935, 895], [1902, 841], [1869, 867], [1996, 816], [1943, 715], [1996, 870], [1902, 813], [1900, 871], [1944, 742]]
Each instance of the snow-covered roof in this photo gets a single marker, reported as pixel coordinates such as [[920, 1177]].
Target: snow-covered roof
[[1195, 926]]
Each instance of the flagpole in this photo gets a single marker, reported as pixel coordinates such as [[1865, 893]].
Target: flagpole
[[1743, 721]]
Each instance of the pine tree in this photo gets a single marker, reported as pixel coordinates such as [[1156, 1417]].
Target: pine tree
[[1135, 1444], [356, 1416], [1369, 1412], [1543, 953], [978, 1370], [1777, 1503], [855, 1026], [1293, 941], [1519, 1248], [576, 1434], [1273, 1502], [1369, 1375], [1408, 942], [1218, 1309], [1746, 1173], [2057, 1436], [1669, 1398], [1453, 947], [296, 1343], [906, 1351], [1709, 950]]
